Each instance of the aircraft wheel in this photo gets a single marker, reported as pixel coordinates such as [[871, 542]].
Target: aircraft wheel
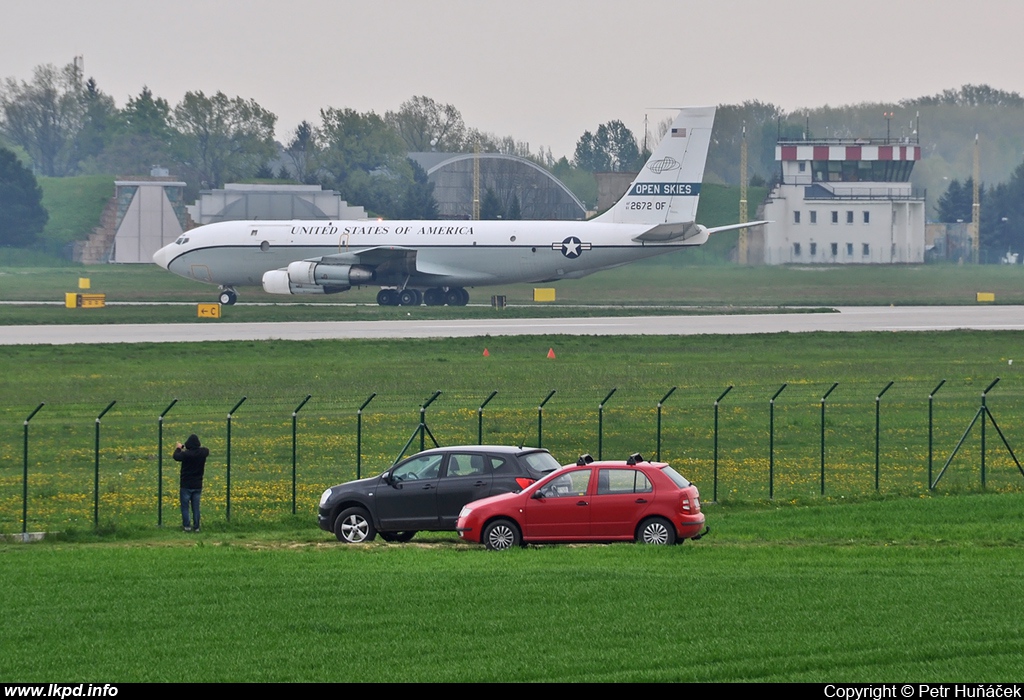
[[228, 297], [409, 297], [433, 297], [387, 297], [454, 296]]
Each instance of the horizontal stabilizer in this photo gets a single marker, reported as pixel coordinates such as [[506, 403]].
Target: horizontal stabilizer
[[668, 232], [733, 227]]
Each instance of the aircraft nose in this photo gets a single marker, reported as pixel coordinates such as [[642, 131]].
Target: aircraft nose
[[162, 257]]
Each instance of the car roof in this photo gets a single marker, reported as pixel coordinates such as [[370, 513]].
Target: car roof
[[500, 449], [621, 463]]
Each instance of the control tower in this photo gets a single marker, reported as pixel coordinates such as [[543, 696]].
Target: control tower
[[844, 201]]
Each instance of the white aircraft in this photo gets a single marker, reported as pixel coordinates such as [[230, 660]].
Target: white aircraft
[[433, 262]]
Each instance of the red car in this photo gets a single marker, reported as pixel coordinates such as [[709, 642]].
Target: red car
[[590, 502]]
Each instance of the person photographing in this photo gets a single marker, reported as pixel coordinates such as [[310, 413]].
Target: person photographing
[[192, 456]]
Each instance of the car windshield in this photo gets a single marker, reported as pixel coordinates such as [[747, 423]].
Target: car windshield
[[540, 462], [677, 478]]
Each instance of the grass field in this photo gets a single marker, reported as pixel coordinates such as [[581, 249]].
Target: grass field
[[669, 281], [890, 590], [76, 383]]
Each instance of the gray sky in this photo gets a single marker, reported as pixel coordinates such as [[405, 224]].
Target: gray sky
[[542, 71]]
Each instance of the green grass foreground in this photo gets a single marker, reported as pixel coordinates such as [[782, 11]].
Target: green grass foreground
[[208, 379], [891, 590]]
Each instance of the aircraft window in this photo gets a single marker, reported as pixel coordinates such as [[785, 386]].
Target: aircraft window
[[513, 239], [182, 241], [265, 246]]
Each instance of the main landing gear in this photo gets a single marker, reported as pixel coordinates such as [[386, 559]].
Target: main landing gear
[[228, 296], [435, 296]]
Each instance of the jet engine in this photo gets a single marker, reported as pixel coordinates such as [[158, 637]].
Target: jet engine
[[305, 277]]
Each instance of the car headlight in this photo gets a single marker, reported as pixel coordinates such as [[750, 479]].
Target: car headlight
[[464, 513], [324, 496]]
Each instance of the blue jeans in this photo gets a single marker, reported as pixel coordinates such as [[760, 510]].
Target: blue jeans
[[190, 497]]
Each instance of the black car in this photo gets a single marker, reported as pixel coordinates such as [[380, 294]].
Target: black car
[[427, 491]]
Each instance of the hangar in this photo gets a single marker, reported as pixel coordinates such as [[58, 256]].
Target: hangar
[[541, 195]]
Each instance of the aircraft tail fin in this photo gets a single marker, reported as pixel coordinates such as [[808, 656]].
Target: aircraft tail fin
[[667, 189]]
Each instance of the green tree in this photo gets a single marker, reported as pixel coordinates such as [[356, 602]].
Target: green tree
[[302, 152], [515, 212], [612, 148], [1002, 217], [142, 138], [419, 202], [22, 216], [490, 206], [957, 201], [219, 138], [45, 116], [364, 159]]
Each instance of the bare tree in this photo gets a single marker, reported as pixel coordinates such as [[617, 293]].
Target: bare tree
[[45, 116], [426, 125]]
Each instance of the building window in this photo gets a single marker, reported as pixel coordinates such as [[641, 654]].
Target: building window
[[814, 249], [867, 249], [796, 217], [835, 249], [849, 217], [867, 217], [796, 250], [835, 217], [803, 166], [814, 217], [849, 249]]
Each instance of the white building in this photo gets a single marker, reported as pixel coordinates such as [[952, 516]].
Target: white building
[[845, 201]]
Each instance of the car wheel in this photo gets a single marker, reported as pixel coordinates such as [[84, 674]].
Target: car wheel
[[656, 531], [403, 536], [354, 526], [501, 534]]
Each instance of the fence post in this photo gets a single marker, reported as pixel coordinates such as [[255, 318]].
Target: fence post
[[96, 477], [715, 472], [295, 414], [160, 465], [834, 385], [600, 422], [540, 419], [480, 418], [359, 435], [423, 422], [663, 400], [24, 477], [771, 442], [931, 398], [230, 414], [984, 415], [878, 404]]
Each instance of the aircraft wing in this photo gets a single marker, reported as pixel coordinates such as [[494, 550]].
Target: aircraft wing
[[390, 260]]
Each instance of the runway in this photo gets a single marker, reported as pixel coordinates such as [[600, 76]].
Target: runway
[[847, 319]]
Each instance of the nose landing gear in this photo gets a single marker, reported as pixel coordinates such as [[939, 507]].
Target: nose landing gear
[[228, 296]]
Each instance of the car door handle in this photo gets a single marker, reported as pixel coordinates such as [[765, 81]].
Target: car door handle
[[582, 503], [641, 500]]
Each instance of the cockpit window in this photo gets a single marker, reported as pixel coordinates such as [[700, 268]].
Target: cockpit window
[[182, 241]]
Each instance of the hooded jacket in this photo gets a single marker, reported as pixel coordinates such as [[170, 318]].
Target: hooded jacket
[[193, 462]]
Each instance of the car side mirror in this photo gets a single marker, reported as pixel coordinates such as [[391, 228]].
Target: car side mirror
[[538, 495]]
